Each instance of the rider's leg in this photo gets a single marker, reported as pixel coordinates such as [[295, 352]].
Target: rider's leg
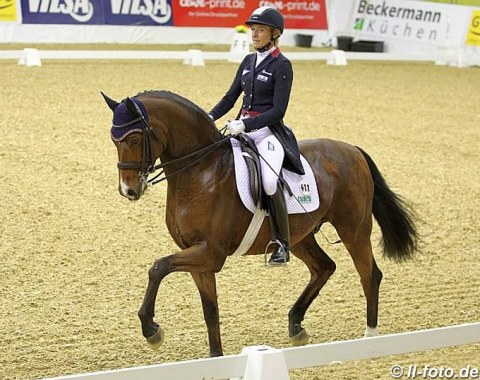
[[280, 227], [272, 152]]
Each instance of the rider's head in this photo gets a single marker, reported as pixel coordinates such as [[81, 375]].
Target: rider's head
[[267, 26]]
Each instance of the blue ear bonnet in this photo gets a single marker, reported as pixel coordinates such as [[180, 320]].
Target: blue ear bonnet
[[126, 121]]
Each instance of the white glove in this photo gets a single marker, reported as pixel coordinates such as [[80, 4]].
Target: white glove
[[235, 127]]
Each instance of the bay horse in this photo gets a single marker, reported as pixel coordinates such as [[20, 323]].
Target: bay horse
[[207, 220]]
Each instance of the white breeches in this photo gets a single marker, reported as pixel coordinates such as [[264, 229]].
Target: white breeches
[[272, 152]]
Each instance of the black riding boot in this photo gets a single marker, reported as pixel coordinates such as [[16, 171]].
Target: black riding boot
[[280, 228]]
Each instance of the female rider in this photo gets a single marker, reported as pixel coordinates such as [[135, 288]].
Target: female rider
[[265, 78]]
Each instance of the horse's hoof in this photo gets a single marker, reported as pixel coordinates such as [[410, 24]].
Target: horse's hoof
[[301, 339], [156, 340]]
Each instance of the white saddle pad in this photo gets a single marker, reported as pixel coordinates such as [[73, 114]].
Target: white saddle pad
[[304, 188]]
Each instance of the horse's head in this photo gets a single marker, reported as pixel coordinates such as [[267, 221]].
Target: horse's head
[[132, 136], [158, 125]]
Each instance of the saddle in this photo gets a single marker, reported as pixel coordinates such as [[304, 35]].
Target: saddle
[[252, 159], [300, 190]]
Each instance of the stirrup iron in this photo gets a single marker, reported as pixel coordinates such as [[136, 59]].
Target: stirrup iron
[[285, 254]]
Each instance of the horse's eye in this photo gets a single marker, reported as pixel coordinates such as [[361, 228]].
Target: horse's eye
[[134, 140]]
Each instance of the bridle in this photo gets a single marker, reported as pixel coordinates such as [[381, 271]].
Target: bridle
[[147, 164]]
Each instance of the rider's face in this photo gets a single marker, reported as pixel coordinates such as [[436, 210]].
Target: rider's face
[[261, 35]]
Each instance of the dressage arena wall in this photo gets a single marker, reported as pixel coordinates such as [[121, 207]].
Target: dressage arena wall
[[197, 57], [266, 363]]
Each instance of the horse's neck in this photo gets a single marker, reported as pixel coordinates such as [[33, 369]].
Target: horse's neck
[[181, 130], [201, 172], [186, 139]]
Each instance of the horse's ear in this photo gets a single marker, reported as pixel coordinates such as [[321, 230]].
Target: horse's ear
[[112, 104], [131, 105]]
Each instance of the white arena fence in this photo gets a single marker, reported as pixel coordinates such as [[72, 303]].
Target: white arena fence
[[266, 363], [452, 57]]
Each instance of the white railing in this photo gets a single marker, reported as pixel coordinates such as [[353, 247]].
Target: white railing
[[266, 363], [447, 56]]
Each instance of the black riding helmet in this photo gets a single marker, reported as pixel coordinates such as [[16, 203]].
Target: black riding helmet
[[267, 16]]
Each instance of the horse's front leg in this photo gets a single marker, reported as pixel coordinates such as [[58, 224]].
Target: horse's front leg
[[195, 259], [152, 331]]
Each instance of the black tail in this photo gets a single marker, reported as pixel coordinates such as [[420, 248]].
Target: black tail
[[394, 216]]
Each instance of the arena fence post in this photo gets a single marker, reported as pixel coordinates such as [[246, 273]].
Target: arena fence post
[[265, 363], [337, 58], [30, 57], [194, 57]]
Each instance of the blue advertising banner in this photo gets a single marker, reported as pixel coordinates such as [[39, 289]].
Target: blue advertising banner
[[207, 13], [62, 12], [138, 12]]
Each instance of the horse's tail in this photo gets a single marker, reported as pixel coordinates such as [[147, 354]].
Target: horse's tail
[[394, 216]]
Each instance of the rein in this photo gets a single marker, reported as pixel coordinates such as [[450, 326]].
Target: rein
[[147, 165], [204, 151]]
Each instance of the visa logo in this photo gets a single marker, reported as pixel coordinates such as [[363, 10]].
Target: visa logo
[[80, 10], [158, 10]]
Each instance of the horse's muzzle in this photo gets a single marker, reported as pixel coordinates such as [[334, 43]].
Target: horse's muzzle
[[130, 192]]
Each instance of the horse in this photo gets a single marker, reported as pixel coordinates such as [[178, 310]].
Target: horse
[[207, 220]]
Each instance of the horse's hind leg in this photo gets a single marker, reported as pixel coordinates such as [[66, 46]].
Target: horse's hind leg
[[321, 268], [360, 250], [372, 304]]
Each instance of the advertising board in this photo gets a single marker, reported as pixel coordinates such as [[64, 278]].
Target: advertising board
[[307, 14]]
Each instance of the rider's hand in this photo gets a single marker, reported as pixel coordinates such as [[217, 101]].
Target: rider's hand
[[235, 127]]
